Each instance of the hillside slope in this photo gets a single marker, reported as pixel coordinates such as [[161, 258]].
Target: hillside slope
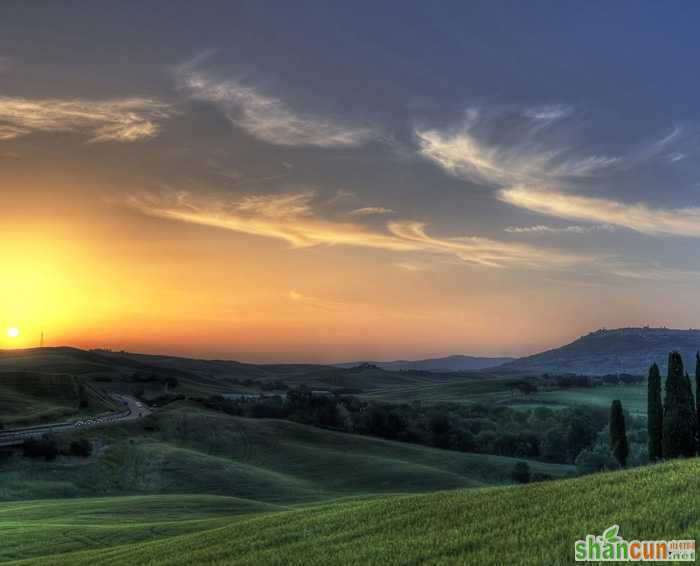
[[524, 525], [624, 350], [28, 397], [448, 363], [126, 372], [184, 449]]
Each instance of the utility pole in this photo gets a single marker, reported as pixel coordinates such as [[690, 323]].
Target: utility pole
[[41, 343]]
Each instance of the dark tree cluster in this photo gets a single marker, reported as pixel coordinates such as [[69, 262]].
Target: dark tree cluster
[[50, 446], [567, 381], [655, 413], [521, 473], [541, 433], [523, 386], [672, 427], [622, 379], [273, 385], [618, 433]]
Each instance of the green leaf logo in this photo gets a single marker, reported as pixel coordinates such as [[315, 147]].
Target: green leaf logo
[[610, 534]]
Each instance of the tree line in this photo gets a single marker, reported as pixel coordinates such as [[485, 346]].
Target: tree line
[[541, 433], [673, 424]]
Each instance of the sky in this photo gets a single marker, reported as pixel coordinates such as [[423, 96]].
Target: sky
[[309, 181]]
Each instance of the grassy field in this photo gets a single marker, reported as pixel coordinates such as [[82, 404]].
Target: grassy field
[[189, 450], [28, 397], [633, 397], [521, 525], [188, 485], [472, 387]]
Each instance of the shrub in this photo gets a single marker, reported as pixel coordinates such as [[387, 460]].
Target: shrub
[[45, 447], [597, 459], [81, 448], [521, 473]]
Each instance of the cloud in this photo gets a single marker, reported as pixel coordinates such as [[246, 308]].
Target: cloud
[[370, 210], [540, 229], [292, 218], [663, 142], [482, 251], [540, 178], [122, 120], [675, 156], [638, 217], [5, 64], [653, 272], [268, 118], [461, 154], [411, 266], [543, 116], [11, 132], [276, 206], [286, 217], [554, 112], [295, 296], [314, 302]]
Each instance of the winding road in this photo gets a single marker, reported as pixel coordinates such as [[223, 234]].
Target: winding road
[[133, 410]]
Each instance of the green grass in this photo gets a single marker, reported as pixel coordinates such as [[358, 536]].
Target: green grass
[[196, 451], [454, 388], [29, 528], [28, 397], [521, 525], [633, 397]]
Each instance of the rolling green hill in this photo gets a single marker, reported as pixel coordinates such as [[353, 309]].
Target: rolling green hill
[[184, 449], [118, 371], [520, 525], [130, 373], [27, 397]]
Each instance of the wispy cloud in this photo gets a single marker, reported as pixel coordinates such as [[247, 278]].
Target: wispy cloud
[[291, 218], [314, 302], [10, 132], [276, 206], [639, 217], [483, 251], [411, 266], [122, 120], [541, 178], [463, 155], [541, 229], [286, 217], [552, 112], [370, 210], [652, 271], [269, 118], [543, 116]]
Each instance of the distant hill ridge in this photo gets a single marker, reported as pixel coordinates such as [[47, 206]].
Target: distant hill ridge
[[622, 350], [449, 363]]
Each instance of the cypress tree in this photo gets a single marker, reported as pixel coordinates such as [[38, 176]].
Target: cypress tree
[[618, 433], [678, 436], [692, 448], [655, 413]]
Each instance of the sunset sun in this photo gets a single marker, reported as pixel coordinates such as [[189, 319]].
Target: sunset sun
[[13, 332]]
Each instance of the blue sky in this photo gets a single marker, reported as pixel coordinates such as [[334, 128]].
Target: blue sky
[[511, 173]]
